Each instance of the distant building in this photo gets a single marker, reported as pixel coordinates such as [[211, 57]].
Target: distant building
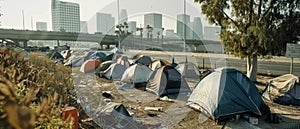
[[105, 23], [170, 33], [42, 26], [123, 16], [83, 27], [183, 20], [65, 16], [212, 33], [197, 29], [155, 21], [132, 27]]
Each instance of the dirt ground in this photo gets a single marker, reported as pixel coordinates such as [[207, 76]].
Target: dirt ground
[[175, 114]]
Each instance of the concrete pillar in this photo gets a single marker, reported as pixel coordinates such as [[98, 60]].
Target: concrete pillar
[[58, 43], [101, 45], [25, 44]]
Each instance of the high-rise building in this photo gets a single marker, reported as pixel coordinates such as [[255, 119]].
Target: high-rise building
[[105, 23], [183, 20], [83, 27], [212, 32], [41, 26], [123, 16], [154, 20], [65, 16], [132, 27], [197, 29]]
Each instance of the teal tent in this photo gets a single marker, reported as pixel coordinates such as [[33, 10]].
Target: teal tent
[[226, 92]]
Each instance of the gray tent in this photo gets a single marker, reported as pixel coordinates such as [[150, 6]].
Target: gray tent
[[167, 80], [144, 60], [284, 90], [226, 92], [114, 71]]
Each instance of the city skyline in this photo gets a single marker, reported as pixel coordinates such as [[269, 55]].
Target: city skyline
[[40, 10]]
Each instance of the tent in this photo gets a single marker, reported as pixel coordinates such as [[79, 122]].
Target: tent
[[98, 56], [116, 50], [144, 60], [167, 80], [189, 71], [110, 56], [103, 66], [224, 93], [89, 65], [114, 72], [114, 116], [159, 63], [284, 90], [56, 56], [74, 61], [136, 74], [123, 60]]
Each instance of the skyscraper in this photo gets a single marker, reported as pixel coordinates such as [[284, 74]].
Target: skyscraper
[[155, 21], [132, 27], [212, 32], [197, 29], [105, 23], [65, 16], [83, 27], [123, 16], [42, 26], [183, 20]]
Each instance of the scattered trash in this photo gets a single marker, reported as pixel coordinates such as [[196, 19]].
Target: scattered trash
[[81, 86], [107, 100], [87, 120], [153, 109], [165, 98]]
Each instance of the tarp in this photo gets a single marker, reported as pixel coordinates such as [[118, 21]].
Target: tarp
[[115, 116], [165, 81], [284, 89], [137, 74], [226, 92], [89, 65]]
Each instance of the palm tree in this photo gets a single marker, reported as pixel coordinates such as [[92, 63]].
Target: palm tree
[[141, 32], [122, 31], [149, 32]]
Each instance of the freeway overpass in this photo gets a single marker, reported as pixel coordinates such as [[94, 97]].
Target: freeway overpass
[[26, 35]]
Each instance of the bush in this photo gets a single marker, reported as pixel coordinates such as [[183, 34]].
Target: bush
[[32, 92]]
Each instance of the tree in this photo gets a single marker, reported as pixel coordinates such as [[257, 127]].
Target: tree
[[149, 31], [247, 26], [122, 32]]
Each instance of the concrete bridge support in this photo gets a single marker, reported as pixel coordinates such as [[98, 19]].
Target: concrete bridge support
[[58, 43]]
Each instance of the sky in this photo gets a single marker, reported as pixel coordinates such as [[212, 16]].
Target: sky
[[40, 11]]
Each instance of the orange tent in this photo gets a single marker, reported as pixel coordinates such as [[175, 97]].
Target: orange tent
[[89, 65]]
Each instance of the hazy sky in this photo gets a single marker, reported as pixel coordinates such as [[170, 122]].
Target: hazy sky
[[40, 10]]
